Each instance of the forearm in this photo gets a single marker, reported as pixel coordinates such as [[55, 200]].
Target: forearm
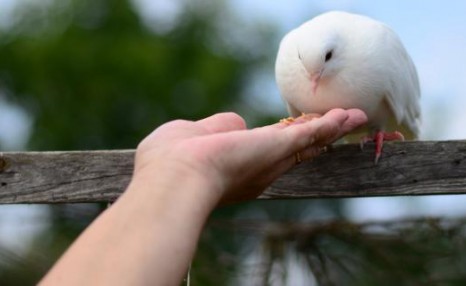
[[148, 237], [183, 169]]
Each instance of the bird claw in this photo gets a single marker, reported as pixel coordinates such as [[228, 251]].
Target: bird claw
[[364, 140], [379, 137]]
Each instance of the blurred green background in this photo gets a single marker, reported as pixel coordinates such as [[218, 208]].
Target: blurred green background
[[98, 75]]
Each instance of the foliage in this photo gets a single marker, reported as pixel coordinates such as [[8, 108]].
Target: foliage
[[94, 75], [424, 251], [101, 79]]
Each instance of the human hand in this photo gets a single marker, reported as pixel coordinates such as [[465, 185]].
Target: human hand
[[182, 171], [236, 163]]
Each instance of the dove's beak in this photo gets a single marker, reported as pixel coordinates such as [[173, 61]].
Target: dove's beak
[[315, 78]]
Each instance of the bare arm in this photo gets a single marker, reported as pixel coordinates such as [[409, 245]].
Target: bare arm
[[183, 170]]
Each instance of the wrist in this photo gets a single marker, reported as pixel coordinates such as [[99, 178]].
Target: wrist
[[177, 186]]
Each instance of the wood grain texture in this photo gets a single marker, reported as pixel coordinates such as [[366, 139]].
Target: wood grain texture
[[405, 168], [64, 177]]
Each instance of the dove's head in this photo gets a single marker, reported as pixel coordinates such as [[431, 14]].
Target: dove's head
[[321, 52]]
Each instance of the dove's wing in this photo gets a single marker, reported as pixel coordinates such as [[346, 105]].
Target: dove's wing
[[403, 91]]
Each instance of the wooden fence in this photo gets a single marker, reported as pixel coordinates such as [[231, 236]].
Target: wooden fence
[[405, 168]]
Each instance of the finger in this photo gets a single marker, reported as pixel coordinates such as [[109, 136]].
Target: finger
[[356, 119], [223, 122], [311, 152], [335, 124], [269, 144], [283, 123], [328, 132], [271, 151], [317, 131], [295, 159]]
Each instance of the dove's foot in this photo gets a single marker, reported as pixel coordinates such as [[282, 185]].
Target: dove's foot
[[305, 116], [378, 138]]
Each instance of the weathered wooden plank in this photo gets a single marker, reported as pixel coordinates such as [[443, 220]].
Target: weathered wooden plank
[[406, 168], [64, 177]]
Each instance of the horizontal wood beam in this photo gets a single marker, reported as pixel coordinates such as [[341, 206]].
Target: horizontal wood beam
[[64, 177], [405, 168]]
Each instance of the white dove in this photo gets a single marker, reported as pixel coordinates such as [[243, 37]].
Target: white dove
[[343, 60]]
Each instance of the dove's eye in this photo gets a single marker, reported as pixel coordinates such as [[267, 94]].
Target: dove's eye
[[328, 55]]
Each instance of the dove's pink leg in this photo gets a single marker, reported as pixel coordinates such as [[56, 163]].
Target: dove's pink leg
[[378, 138]]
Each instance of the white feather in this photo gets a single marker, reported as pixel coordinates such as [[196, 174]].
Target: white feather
[[368, 69]]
